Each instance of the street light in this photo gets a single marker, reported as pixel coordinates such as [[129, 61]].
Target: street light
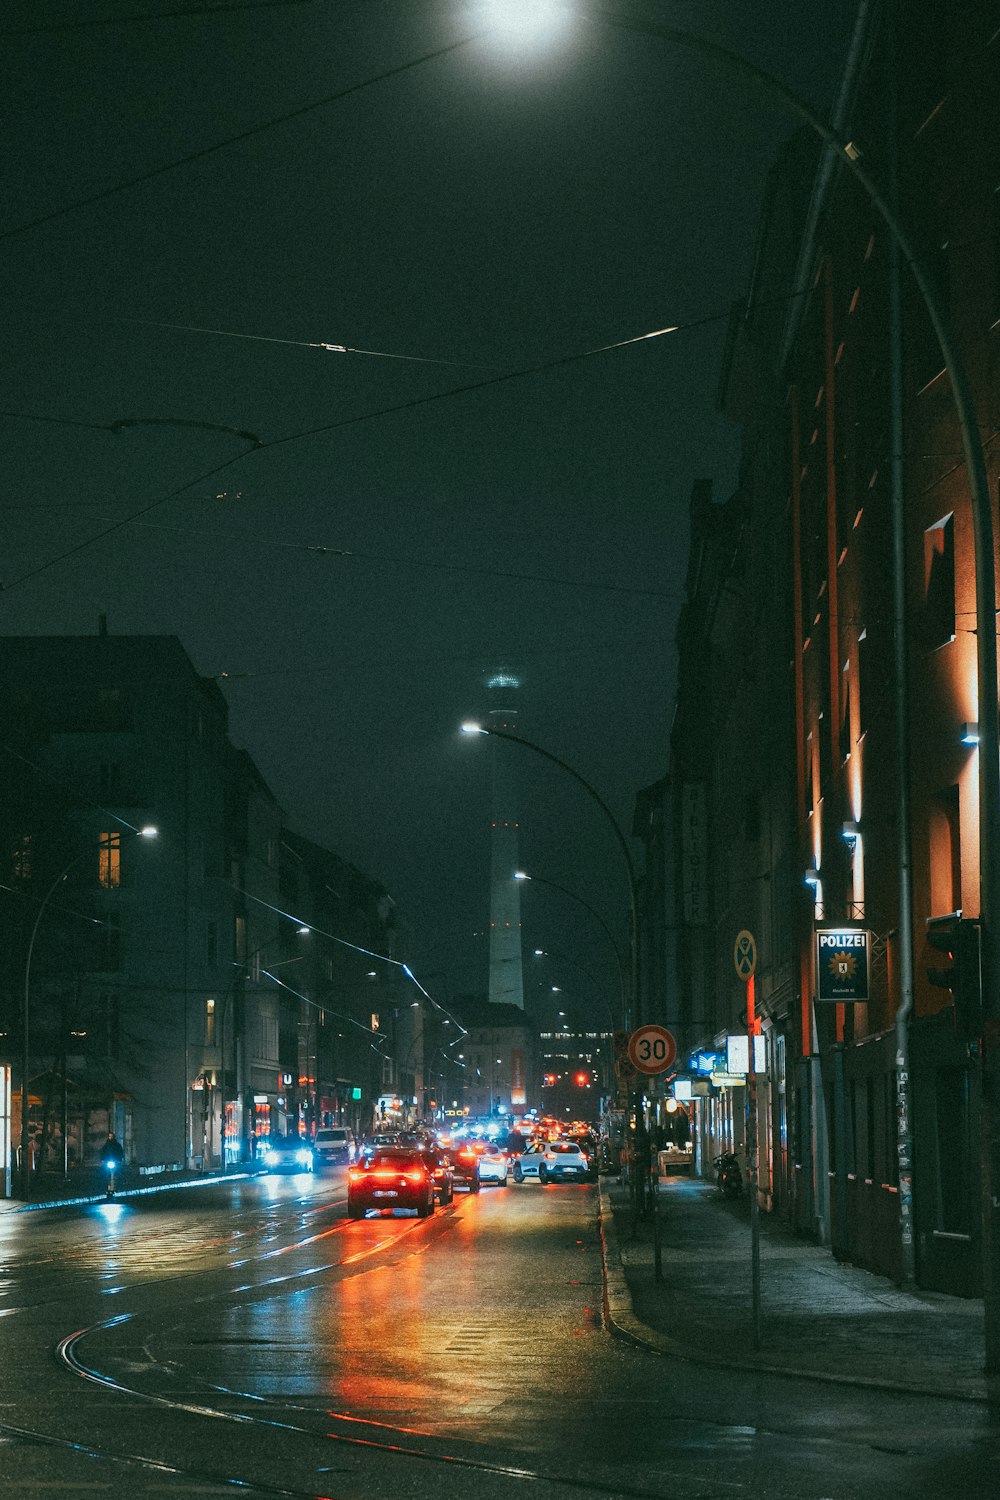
[[541, 880], [633, 1015], [146, 832]]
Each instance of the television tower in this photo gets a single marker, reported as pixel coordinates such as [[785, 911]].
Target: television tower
[[506, 973]]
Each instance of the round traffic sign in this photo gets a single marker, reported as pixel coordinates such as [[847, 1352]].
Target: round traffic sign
[[651, 1049], [745, 954]]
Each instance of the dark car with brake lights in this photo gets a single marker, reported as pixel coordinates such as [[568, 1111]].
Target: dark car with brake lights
[[464, 1160], [390, 1177], [440, 1168]]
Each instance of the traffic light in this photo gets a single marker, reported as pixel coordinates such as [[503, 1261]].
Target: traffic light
[[957, 937], [581, 1079], [550, 1080]]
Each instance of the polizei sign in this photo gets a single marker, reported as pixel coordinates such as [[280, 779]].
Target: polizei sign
[[842, 964]]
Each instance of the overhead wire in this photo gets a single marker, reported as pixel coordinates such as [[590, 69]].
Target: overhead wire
[[356, 947], [329, 347], [178, 13], [233, 140], [558, 362]]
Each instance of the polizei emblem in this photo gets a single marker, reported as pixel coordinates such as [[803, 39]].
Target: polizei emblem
[[842, 964]]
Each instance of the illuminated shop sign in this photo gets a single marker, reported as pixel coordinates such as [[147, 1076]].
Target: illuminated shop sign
[[842, 964]]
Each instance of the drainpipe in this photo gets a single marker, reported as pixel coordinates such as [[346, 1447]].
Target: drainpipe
[[904, 1125]]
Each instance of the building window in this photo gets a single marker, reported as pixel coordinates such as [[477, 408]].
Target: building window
[[109, 860], [845, 714], [825, 759], [945, 853], [956, 1159], [210, 1021], [267, 1038], [111, 944], [109, 1005], [864, 682], [939, 583], [110, 780], [21, 857], [212, 945]]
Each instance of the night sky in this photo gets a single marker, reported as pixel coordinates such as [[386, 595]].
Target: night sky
[[463, 215]]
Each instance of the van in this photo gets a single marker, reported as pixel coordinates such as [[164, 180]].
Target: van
[[334, 1144]]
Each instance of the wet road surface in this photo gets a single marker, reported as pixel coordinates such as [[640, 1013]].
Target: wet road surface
[[250, 1339]]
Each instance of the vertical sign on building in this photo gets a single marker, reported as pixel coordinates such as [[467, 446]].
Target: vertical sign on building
[[518, 1097], [693, 853], [842, 964]]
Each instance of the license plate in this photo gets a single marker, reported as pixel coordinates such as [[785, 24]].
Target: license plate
[[385, 1193]]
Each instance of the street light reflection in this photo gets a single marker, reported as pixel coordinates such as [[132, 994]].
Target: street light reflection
[[111, 1213]]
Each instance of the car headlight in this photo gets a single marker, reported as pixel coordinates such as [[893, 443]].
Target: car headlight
[[305, 1157], [270, 1156]]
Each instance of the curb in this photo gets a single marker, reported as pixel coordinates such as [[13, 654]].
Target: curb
[[12, 1206], [621, 1319]]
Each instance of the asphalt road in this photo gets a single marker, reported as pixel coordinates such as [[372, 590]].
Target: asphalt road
[[249, 1339]]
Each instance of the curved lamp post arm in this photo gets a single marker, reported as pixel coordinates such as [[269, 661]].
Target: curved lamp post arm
[[595, 796], [623, 988]]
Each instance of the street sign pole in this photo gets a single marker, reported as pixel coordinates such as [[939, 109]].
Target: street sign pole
[[745, 960], [752, 1161]]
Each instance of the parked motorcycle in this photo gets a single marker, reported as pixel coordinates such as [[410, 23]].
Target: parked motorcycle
[[728, 1175]]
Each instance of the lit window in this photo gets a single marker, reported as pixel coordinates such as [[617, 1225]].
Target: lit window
[[210, 1022], [939, 574], [109, 857]]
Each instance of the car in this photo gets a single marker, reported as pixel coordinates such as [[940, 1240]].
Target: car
[[493, 1166], [287, 1153], [390, 1177], [333, 1145], [465, 1165], [551, 1161], [440, 1169], [380, 1138]]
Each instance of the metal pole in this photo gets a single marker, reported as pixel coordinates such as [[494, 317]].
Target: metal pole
[[753, 1174]]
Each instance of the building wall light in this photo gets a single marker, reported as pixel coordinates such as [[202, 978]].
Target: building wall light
[[970, 734], [811, 877]]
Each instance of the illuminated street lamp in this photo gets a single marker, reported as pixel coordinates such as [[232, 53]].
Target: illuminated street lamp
[[146, 832]]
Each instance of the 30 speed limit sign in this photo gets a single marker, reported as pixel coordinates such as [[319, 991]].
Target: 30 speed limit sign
[[651, 1049]]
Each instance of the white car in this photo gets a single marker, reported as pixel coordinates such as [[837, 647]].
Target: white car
[[553, 1161], [493, 1166], [334, 1144]]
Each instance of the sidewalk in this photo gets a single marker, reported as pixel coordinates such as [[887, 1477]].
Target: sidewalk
[[87, 1185], [820, 1319]]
